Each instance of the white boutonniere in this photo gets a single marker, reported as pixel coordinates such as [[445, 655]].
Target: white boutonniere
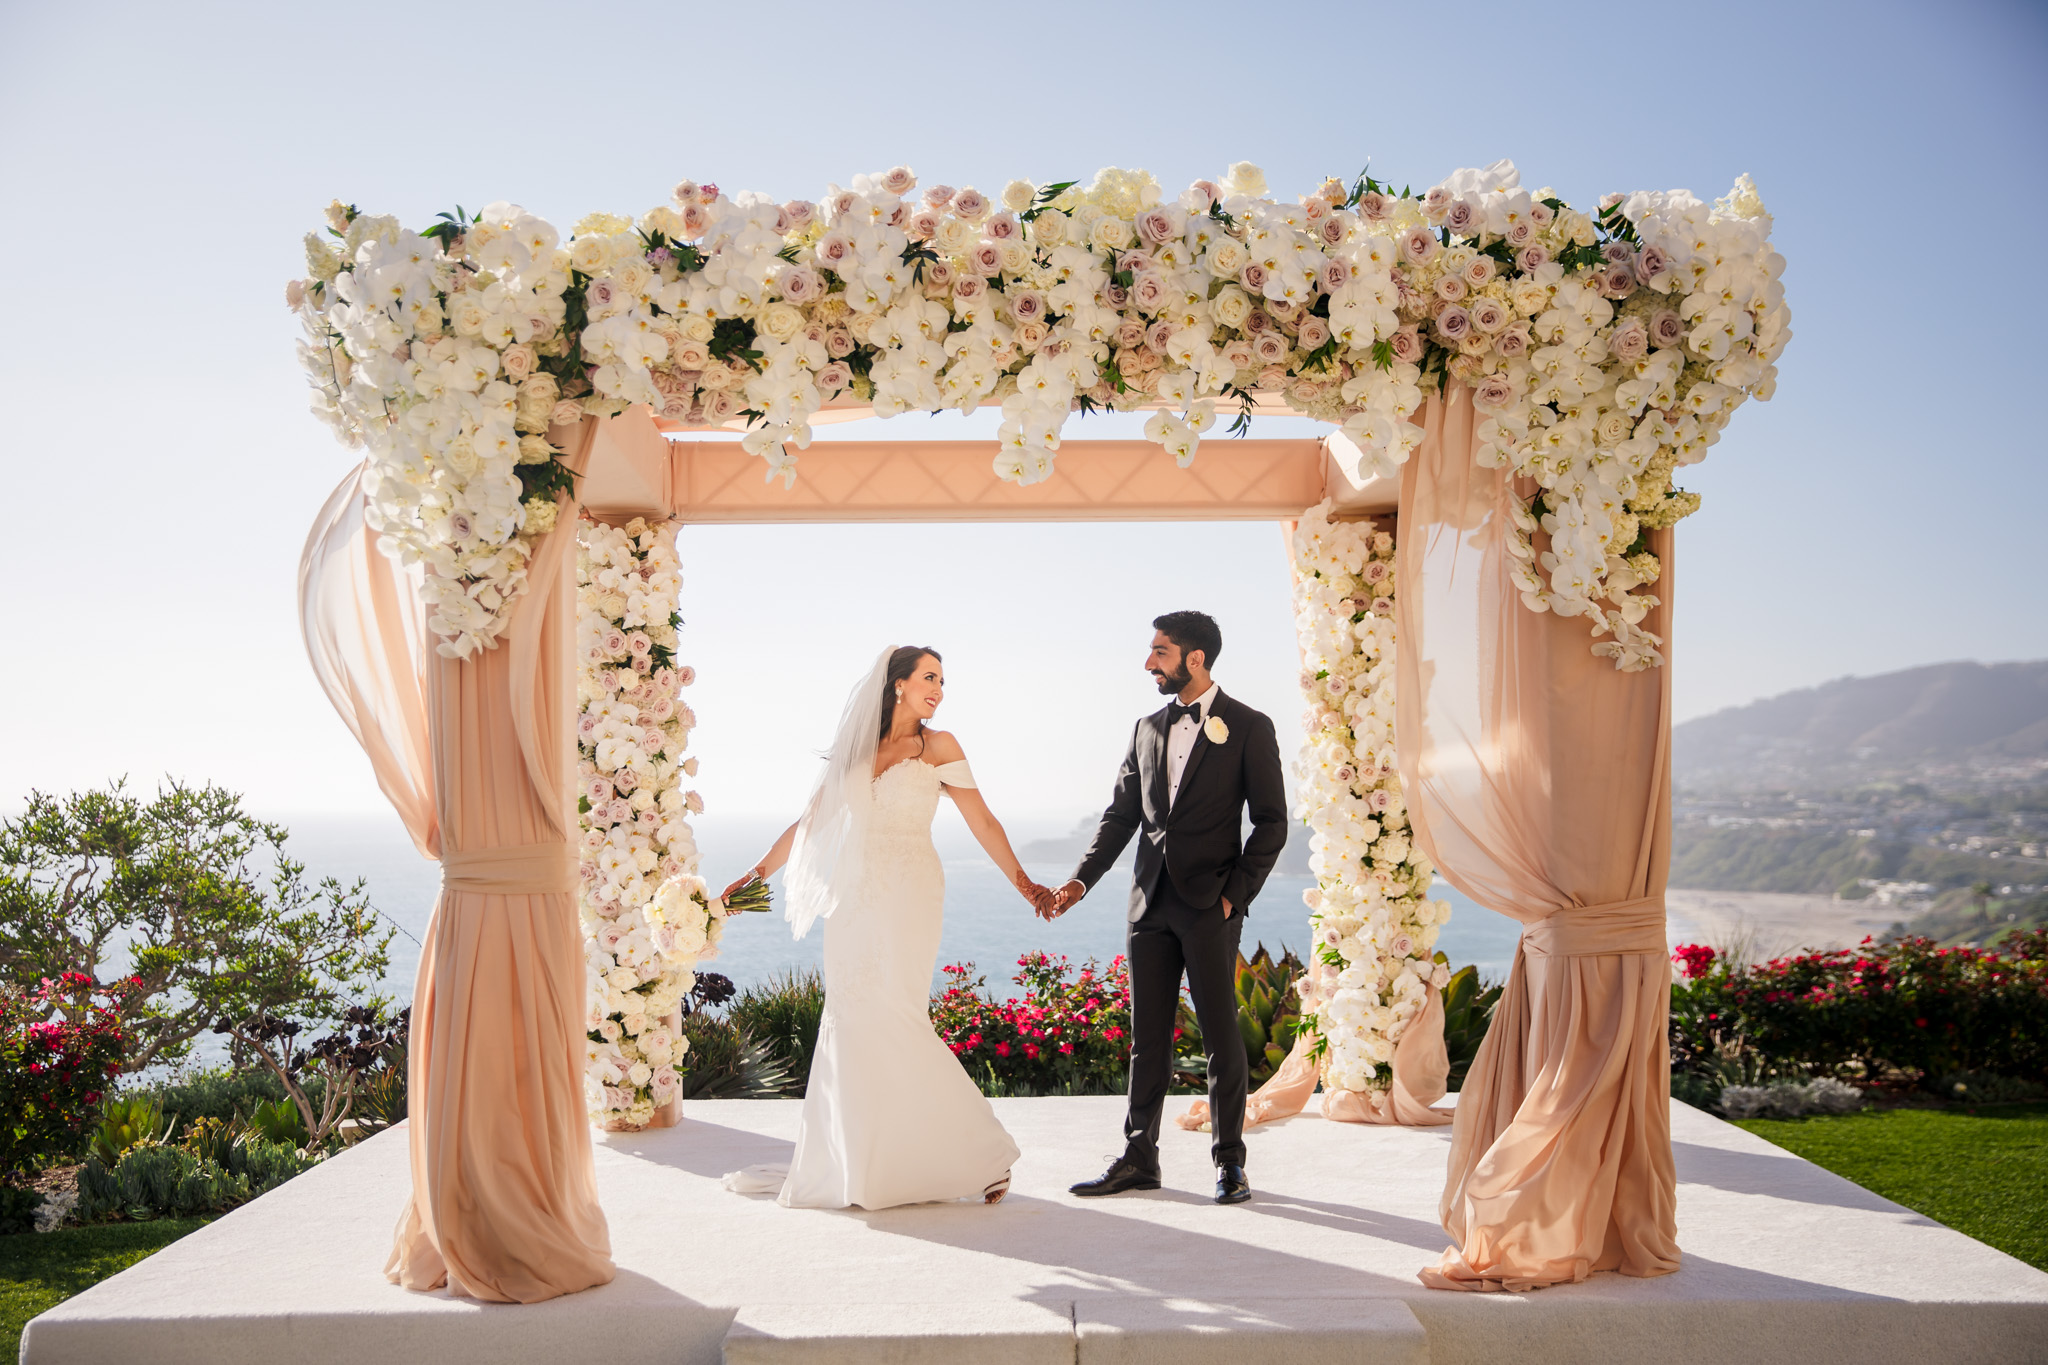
[[1216, 730]]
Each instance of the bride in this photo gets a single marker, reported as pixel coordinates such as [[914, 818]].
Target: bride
[[889, 1116]]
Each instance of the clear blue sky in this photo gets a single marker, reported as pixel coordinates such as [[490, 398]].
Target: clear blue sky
[[162, 161]]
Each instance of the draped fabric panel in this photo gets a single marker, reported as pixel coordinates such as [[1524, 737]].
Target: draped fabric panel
[[1420, 1067], [504, 1204], [1538, 780], [366, 633]]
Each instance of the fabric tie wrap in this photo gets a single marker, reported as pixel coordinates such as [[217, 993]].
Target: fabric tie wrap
[[512, 870], [1635, 926]]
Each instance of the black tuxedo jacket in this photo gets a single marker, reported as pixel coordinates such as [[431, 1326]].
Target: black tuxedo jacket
[[1196, 841]]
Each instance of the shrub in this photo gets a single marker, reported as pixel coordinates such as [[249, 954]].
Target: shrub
[[1983, 1087], [1904, 1008], [206, 1176], [60, 1048], [173, 884], [784, 1014], [1061, 1037], [1790, 1099], [217, 1093], [20, 1209]]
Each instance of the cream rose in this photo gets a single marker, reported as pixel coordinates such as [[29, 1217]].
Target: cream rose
[[781, 321], [1111, 233], [1231, 306]]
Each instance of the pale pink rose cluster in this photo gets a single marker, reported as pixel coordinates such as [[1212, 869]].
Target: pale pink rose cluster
[[642, 904]]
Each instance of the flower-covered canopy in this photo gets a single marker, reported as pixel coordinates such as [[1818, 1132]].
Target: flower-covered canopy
[[1603, 350]]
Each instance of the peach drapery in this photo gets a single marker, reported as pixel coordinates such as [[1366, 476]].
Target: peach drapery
[[478, 757], [1538, 780]]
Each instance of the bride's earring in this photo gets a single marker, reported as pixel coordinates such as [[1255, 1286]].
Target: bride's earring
[[899, 694]]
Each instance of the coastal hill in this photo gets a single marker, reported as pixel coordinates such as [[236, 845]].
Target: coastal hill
[[1925, 789], [1943, 714]]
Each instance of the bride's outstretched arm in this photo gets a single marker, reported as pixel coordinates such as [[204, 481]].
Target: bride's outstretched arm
[[988, 831], [773, 860]]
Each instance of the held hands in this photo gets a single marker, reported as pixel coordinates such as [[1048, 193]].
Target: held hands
[[1063, 899], [1041, 899]]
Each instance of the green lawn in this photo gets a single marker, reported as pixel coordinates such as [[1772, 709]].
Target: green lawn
[[41, 1269], [1982, 1172]]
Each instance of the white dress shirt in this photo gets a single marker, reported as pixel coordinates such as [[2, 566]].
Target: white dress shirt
[[1180, 741]]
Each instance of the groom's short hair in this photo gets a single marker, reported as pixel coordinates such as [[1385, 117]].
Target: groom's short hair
[[1192, 630]]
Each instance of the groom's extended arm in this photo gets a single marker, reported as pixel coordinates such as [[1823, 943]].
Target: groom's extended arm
[[1119, 822], [1266, 799]]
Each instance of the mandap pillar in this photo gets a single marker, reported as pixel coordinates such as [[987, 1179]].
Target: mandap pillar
[[1538, 780]]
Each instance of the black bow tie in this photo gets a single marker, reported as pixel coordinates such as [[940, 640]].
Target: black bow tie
[[1174, 711]]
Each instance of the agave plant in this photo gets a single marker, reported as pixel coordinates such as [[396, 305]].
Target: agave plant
[[280, 1121], [1268, 1013], [1468, 1012], [129, 1123], [728, 1063], [1268, 1008]]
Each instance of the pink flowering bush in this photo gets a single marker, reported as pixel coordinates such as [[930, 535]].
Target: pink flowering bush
[[1069, 1033], [60, 1049], [1877, 1011]]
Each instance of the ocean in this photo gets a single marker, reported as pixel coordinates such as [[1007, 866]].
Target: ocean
[[987, 922]]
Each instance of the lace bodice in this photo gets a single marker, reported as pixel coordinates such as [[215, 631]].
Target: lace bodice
[[907, 796]]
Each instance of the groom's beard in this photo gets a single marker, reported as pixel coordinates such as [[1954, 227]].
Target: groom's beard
[[1171, 683]]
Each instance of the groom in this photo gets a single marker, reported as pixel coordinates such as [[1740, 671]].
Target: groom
[[1191, 772]]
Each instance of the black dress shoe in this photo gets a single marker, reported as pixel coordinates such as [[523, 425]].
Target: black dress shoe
[[1231, 1185], [1123, 1174]]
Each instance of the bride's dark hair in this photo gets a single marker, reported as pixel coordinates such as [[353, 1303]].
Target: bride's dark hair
[[902, 664]]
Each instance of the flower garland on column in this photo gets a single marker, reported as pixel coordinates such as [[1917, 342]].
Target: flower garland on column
[[646, 912], [1373, 923]]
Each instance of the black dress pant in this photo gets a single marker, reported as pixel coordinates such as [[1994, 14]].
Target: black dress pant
[[1173, 938]]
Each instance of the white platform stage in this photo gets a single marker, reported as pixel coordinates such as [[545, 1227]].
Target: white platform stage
[[1783, 1262]]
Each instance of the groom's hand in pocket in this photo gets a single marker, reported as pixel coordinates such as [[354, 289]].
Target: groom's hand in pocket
[[1226, 907]]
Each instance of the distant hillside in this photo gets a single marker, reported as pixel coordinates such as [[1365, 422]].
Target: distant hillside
[[1943, 713], [1906, 786]]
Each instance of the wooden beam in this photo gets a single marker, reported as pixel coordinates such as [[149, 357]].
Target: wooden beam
[[851, 481]]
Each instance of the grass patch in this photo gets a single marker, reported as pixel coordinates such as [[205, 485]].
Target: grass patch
[[39, 1270], [1979, 1171]]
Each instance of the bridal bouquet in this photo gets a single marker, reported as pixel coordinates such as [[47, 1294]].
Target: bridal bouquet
[[751, 898], [1374, 924], [1603, 350]]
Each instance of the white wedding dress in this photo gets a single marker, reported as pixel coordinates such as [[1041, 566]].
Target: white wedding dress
[[889, 1115]]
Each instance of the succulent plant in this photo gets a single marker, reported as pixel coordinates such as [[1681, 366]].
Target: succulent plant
[[1268, 1013]]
